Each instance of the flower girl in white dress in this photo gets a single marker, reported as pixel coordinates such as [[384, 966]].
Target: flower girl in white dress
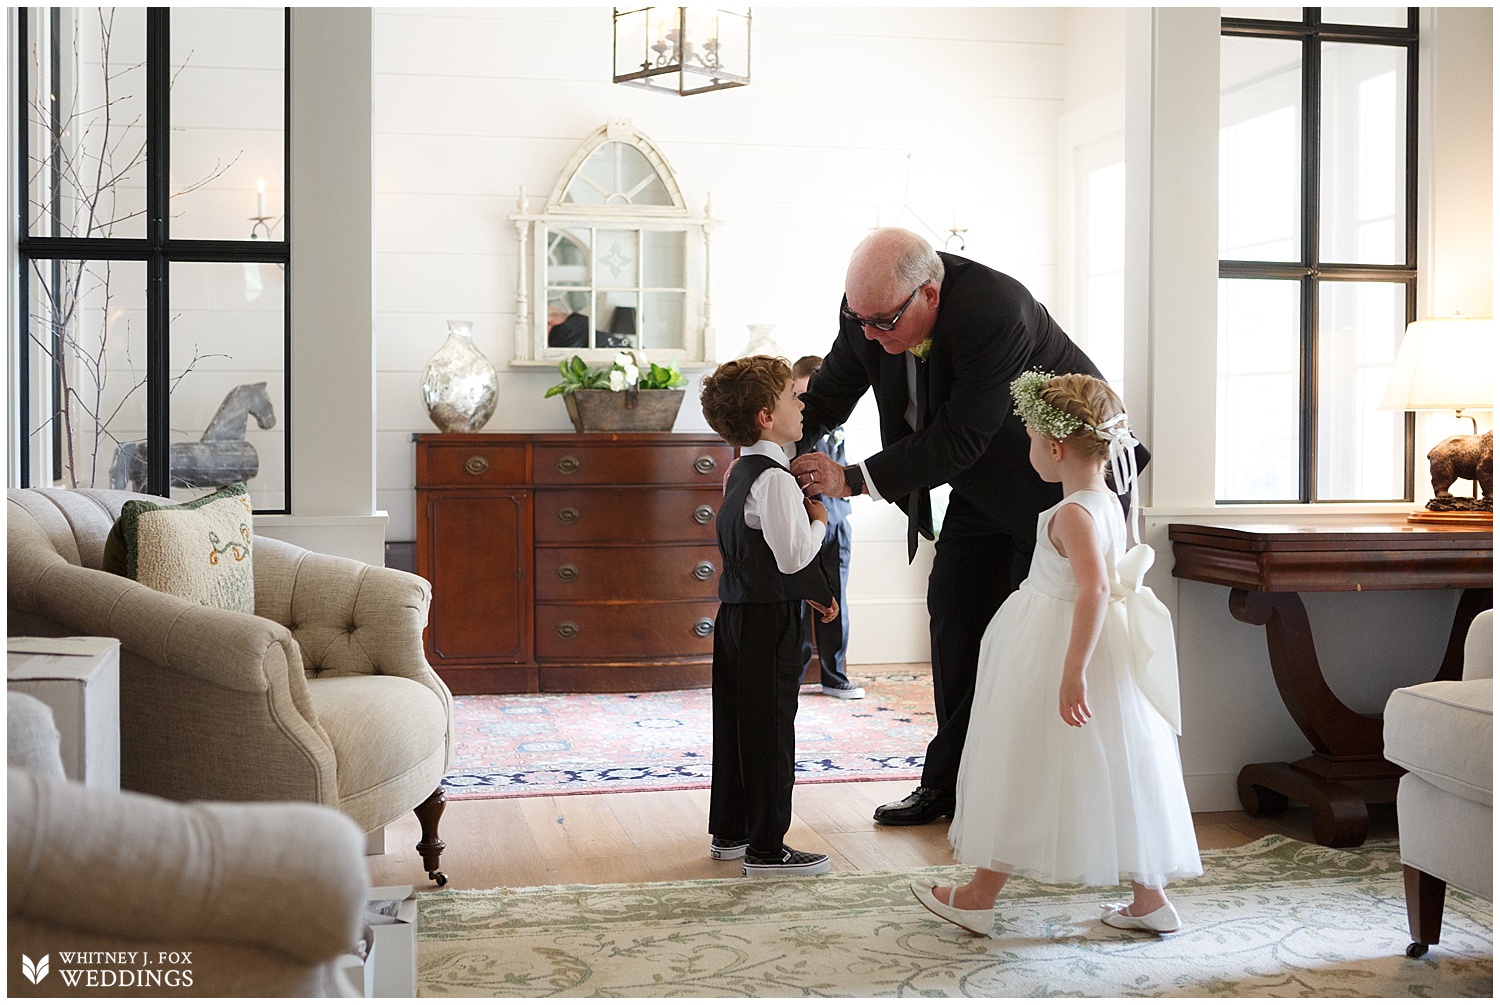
[[1070, 771]]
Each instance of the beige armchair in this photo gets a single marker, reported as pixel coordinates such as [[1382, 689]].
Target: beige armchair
[[323, 695], [1442, 734], [254, 900]]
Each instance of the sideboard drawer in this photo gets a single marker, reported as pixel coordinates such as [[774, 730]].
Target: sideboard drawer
[[674, 572], [624, 631], [577, 516], [461, 466], [666, 464]]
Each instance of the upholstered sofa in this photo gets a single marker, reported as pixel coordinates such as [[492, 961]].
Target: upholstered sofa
[[323, 695], [247, 900], [1442, 734]]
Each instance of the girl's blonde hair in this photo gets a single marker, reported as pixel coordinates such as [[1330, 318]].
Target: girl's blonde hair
[[1089, 400]]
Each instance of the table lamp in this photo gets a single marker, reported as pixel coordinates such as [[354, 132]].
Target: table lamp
[[1449, 363], [621, 334]]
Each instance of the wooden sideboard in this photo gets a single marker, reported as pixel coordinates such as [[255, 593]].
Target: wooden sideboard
[[569, 561]]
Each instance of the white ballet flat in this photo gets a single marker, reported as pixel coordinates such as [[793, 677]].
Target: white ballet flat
[[973, 922], [1162, 921]]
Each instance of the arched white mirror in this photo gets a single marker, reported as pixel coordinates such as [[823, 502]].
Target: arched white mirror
[[615, 259]]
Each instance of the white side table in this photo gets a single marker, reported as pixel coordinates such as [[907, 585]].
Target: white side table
[[79, 679]]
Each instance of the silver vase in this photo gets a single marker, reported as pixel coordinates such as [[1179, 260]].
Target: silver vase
[[459, 384]]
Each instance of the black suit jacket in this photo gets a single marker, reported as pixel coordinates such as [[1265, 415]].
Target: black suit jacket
[[989, 330]]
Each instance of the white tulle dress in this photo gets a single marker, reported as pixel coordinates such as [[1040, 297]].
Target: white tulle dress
[[1039, 798]]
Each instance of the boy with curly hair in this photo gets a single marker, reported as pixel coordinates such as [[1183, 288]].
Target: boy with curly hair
[[769, 537]]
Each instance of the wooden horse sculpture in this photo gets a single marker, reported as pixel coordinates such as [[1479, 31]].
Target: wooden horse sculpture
[[221, 456]]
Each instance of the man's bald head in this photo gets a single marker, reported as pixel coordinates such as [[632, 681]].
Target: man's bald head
[[888, 268], [892, 260]]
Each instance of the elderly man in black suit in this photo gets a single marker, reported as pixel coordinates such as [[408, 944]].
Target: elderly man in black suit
[[939, 338]]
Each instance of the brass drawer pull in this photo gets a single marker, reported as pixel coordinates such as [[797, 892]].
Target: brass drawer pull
[[567, 464], [703, 570], [567, 572], [568, 514], [704, 628], [567, 630], [703, 514], [705, 464], [476, 465]]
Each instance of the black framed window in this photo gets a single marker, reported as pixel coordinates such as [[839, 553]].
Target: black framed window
[[1317, 251], [152, 166]]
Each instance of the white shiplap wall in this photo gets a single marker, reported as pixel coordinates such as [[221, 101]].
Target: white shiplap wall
[[900, 115]]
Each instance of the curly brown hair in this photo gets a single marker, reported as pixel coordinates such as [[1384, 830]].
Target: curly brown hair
[[1088, 398], [734, 395]]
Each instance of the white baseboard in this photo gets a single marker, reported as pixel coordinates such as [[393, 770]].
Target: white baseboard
[[1213, 793]]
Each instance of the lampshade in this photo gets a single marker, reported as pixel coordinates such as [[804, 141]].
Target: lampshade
[[1444, 363], [682, 50], [622, 321]]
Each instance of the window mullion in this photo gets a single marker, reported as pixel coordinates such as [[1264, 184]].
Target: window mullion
[[158, 339], [1311, 219]]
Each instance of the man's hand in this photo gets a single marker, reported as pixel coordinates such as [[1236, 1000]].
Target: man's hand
[[815, 510], [825, 614], [819, 475]]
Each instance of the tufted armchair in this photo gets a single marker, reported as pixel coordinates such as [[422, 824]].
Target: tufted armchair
[[262, 899], [1442, 734], [323, 695]]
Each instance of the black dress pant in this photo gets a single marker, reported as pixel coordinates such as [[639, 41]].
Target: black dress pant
[[833, 637], [972, 574], [756, 673]]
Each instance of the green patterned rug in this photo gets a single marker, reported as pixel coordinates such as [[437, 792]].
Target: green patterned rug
[[1276, 918]]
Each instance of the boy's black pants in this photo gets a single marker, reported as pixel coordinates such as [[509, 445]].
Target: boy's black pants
[[756, 672]]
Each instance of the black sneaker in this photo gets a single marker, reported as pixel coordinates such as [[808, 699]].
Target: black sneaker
[[843, 690], [727, 849], [789, 863]]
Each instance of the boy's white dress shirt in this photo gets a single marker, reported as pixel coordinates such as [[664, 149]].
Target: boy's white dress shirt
[[774, 508]]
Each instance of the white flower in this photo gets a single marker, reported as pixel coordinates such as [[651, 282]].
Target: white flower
[[622, 359], [617, 381]]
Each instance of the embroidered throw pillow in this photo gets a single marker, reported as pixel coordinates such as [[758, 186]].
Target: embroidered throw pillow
[[199, 550]]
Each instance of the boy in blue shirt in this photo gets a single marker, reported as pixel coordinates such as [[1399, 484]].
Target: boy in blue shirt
[[832, 636]]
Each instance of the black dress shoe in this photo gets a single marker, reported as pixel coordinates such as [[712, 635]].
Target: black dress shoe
[[923, 806]]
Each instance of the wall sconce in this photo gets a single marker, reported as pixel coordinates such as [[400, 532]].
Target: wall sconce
[[258, 222], [682, 50], [1449, 363], [260, 229]]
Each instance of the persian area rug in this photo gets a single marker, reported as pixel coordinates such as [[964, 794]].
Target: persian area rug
[[568, 744], [1276, 918]]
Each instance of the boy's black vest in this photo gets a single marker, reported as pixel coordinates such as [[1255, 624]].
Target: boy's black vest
[[750, 575]]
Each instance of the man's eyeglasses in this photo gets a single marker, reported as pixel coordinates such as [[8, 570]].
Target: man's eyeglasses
[[884, 324]]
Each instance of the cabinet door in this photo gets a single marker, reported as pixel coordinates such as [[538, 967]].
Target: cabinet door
[[479, 564]]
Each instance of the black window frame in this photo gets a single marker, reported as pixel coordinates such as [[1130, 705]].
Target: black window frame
[[1310, 270], [158, 250]]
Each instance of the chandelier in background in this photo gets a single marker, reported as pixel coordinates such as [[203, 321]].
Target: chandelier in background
[[682, 50]]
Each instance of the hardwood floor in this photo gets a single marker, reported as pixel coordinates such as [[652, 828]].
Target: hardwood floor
[[646, 836]]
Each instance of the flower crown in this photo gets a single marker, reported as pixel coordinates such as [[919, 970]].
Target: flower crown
[[1026, 392]]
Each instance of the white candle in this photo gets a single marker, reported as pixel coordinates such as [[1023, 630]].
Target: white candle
[[260, 198]]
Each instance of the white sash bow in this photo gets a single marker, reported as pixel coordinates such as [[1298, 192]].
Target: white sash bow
[[1153, 649]]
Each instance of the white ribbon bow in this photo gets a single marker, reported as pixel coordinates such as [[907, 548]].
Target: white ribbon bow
[[1122, 443], [1153, 649]]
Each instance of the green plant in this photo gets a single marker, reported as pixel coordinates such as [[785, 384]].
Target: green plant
[[618, 376]]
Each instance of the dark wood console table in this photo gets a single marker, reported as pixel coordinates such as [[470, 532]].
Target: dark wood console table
[[1265, 568]]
